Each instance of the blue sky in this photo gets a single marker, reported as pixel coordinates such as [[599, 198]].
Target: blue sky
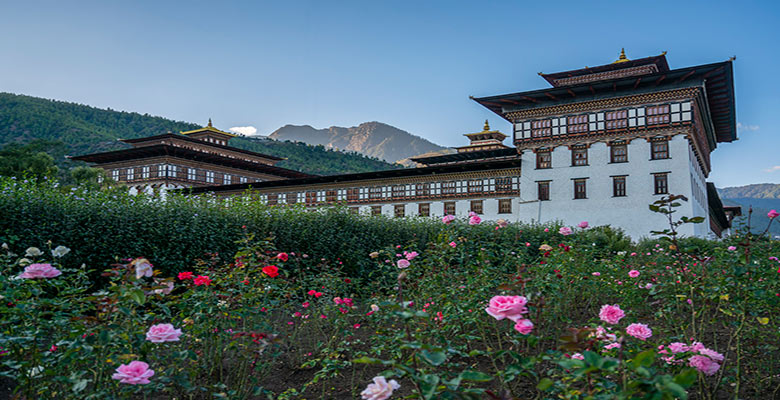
[[409, 64]]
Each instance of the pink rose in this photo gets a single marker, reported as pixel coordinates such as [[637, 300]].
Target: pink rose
[[135, 373], [511, 307], [411, 255], [475, 220], [453, 244], [772, 214], [596, 274], [524, 326], [583, 224], [678, 347], [502, 223], [577, 356], [403, 263], [611, 346], [163, 333], [142, 268], [633, 273], [447, 219], [732, 248], [34, 271], [565, 231], [381, 389], [639, 331], [712, 354], [611, 314], [704, 364]]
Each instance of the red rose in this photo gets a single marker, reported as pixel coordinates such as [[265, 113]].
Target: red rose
[[202, 280], [185, 275], [282, 256], [271, 271]]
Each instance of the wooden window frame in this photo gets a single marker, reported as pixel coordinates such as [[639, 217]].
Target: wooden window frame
[[376, 210], [504, 206], [659, 149], [424, 209], [543, 190], [544, 159], [447, 205], [580, 188], [661, 183], [619, 186], [477, 206], [579, 156], [401, 208], [614, 157]]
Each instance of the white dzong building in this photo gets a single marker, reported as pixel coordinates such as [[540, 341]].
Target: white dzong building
[[600, 145]]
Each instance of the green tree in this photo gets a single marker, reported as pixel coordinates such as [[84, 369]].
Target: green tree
[[26, 162]]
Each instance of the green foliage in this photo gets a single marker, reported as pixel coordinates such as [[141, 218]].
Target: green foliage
[[79, 129], [26, 162]]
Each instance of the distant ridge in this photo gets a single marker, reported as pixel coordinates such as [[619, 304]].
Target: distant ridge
[[761, 197], [373, 139]]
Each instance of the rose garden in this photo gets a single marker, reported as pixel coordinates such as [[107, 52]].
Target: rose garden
[[106, 295]]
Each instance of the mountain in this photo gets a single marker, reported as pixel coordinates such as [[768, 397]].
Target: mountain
[[75, 129], [373, 139], [762, 197]]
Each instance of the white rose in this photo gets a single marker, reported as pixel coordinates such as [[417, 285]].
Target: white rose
[[33, 252], [381, 389], [60, 251]]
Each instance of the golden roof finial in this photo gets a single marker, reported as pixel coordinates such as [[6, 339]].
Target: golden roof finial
[[487, 126], [209, 122], [622, 57]]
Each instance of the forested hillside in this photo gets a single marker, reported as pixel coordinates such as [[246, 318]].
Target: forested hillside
[[75, 129]]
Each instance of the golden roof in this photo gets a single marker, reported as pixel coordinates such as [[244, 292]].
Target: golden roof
[[622, 57], [207, 128]]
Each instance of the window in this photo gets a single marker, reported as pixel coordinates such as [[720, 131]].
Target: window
[[504, 206], [376, 210], [543, 189], [399, 210], [191, 174], [292, 198], [375, 192], [145, 172], [617, 119], [273, 199], [209, 176], [661, 183], [173, 171], [658, 114], [423, 189], [115, 175], [242, 179], [475, 186], [311, 198], [579, 189], [130, 174], [618, 186], [578, 123], [579, 155], [543, 159], [618, 152], [448, 188], [449, 208], [353, 194], [659, 149], [399, 191], [330, 196], [541, 128], [476, 206], [503, 184], [424, 209], [227, 179]]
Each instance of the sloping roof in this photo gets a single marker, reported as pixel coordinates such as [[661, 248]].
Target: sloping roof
[[716, 207], [189, 139], [717, 80], [658, 61], [467, 156], [386, 174], [159, 150]]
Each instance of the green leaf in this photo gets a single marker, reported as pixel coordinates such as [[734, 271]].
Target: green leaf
[[686, 378], [80, 385], [476, 376], [644, 359], [593, 359], [138, 295], [435, 358], [428, 385], [677, 390], [544, 384]]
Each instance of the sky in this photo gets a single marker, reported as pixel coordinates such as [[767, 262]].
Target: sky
[[411, 64]]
